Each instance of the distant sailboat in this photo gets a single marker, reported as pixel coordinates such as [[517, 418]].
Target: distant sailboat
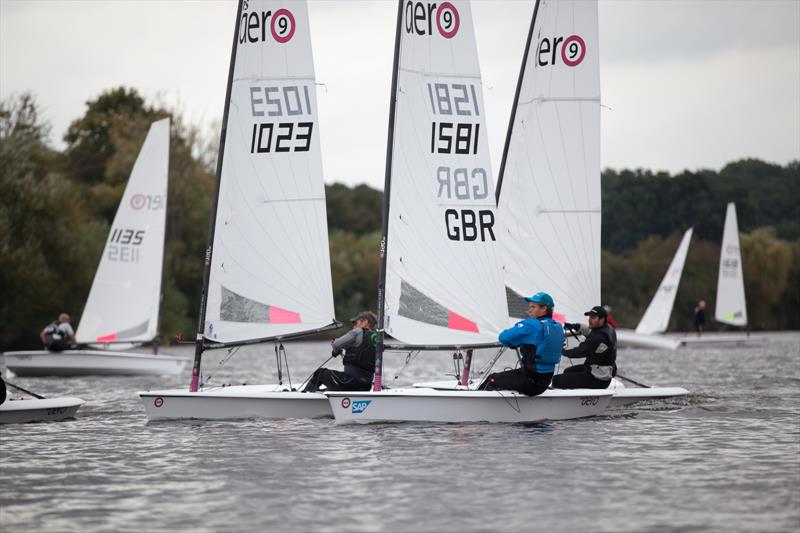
[[267, 272], [654, 322], [443, 276], [731, 305], [124, 300]]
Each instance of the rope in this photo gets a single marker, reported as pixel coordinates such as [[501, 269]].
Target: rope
[[231, 353], [410, 357]]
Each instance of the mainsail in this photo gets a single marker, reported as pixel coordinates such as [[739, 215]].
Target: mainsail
[[443, 281], [731, 307], [656, 317], [270, 267], [549, 183], [125, 295]]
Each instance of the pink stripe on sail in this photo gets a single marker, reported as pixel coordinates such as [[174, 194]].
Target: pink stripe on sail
[[561, 319], [456, 321], [107, 338], [282, 316]]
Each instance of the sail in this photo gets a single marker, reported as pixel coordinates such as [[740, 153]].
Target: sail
[[443, 278], [549, 184], [270, 266], [731, 307], [656, 317], [126, 292]]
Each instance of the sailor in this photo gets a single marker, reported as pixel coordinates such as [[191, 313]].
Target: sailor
[[58, 335], [700, 317], [359, 358], [600, 350], [539, 340]]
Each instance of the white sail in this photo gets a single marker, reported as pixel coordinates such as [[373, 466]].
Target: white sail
[[125, 296], [731, 306], [656, 317], [443, 278], [549, 194], [270, 271]]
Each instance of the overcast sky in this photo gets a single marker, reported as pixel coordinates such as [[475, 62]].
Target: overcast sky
[[685, 84]]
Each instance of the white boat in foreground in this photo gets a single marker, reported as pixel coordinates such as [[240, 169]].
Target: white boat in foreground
[[235, 402], [431, 405], [623, 396], [90, 363], [267, 265], [38, 410]]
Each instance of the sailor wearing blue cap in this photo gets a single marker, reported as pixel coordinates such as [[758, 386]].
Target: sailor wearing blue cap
[[539, 339]]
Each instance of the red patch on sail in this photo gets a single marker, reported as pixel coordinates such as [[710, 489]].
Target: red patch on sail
[[107, 338], [282, 316], [456, 321], [561, 319]]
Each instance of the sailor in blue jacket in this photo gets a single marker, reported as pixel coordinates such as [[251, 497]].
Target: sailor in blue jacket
[[540, 340]]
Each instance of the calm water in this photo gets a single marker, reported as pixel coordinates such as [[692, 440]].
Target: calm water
[[727, 458]]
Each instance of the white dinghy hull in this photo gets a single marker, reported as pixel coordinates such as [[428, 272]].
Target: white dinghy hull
[[39, 410], [722, 340], [90, 363], [627, 338], [430, 405], [235, 402], [623, 395]]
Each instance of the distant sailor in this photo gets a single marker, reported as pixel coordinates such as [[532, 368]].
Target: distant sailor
[[58, 335], [700, 317], [359, 358], [600, 350], [539, 339]]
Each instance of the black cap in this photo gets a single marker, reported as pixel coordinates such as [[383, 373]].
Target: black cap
[[597, 310], [369, 316]]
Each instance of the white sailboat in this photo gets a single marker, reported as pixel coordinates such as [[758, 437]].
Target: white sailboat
[[649, 332], [444, 284], [20, 410], [124, 300], [268, 275], [731, 304], [548, 191]]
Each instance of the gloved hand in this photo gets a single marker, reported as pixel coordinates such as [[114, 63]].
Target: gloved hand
[[336, 352], [574, 326]]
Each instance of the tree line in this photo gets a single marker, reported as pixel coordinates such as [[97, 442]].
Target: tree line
[[56, 207]]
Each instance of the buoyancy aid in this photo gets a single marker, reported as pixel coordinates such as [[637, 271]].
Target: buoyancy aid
[[363, 355]]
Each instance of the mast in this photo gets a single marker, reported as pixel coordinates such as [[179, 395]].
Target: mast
[[376, 385], [514, 105], [157, 339], [198, 351]]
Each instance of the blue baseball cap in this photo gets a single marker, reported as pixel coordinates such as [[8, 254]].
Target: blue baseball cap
[[542, 298]]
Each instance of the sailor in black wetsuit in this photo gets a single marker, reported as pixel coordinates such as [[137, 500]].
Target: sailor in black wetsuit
[[600, 351], [359, 359]]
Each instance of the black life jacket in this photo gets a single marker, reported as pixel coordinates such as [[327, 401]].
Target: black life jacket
[[363, 355], [56, 339], [609, 356]]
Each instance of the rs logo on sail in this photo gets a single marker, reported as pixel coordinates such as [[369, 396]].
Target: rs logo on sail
[[573, 50], [254, 25]]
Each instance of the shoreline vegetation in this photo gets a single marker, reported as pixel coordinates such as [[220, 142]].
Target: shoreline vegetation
[[56, 208]]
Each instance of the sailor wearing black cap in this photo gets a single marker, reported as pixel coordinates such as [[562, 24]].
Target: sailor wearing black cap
[[600, 350], [358, 360]]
